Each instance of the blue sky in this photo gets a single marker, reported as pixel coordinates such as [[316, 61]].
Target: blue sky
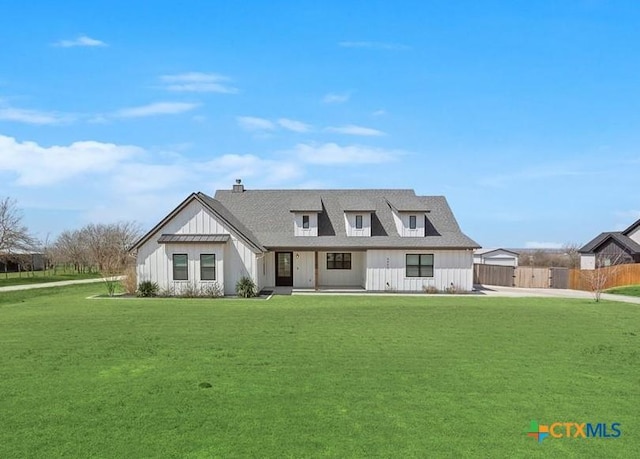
[[523, 114]]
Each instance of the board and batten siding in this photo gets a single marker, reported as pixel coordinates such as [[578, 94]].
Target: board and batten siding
[[234, 258], [354, 277], [386, 270], [350, 224], [298, 230]]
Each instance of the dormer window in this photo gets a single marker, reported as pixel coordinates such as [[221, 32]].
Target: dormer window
[[412, 222], [358, 221], [305, 222]]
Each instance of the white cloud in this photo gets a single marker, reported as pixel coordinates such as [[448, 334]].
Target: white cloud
[[198, 82], [253, 123], [293, 125], [335, 98], [22, 115], [331, 153], [157, 108], [380, 112], [372, 45], [36, 165], [543, 245], [82, 40], [232, 166], [356, 130]]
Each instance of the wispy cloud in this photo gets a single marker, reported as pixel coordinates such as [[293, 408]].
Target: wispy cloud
[[198, 82], [36, 165], [157, 108], [373, 45], [336, 98], [332, 153], [547, 171], [82, 40], [253, 123], [356, 130], [294, 125], [379, 113], [23, 115]]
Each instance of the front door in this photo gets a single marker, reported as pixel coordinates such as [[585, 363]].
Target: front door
[[284, 269]]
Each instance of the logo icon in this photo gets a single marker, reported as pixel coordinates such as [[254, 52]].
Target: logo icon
[[538, 431]]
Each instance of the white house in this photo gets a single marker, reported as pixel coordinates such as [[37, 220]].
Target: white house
[[501, 257], [376, 240]]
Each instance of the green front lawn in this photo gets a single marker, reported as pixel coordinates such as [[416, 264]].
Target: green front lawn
[[40, 277], [630, 290], [321, 376]]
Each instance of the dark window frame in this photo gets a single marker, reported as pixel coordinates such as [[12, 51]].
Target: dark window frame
[[413, 222], [306, 222], [203, 267], [339, 260], [359, 221], [185, 268], [422, 268]]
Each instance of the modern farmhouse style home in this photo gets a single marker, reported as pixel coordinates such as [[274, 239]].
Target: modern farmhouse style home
[[374, 240]]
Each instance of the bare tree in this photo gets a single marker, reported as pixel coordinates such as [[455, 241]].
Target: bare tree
[[571, 252], [14, 235], [606, 268]]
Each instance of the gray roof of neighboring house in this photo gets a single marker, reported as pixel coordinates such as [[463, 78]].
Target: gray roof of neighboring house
[[266, 216], [166, 238], [487, 251], [618, 236], [632, 227]]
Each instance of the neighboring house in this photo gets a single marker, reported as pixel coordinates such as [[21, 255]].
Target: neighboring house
[[612, 248], [501, 257], [21, 260], [377, 240]]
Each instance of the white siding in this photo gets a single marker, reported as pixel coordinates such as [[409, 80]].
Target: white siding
[[269, 270], [303, 270], [298, 230], [635, 235], [588, 261], [350, 224], [386, 270], [193, 252], [401, 219], [233, 258], [355, 277], [497, 257]]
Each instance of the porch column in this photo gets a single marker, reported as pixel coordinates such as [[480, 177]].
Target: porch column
[[315, 271]]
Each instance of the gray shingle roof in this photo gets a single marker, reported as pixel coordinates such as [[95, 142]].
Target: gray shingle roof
[[166, 238], [617, 236], [266, 215], [305, 204], [632, 227]]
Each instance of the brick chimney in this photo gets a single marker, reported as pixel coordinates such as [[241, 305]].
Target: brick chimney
[[238, 187]]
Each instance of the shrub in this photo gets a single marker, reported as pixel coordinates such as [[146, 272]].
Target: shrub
[[129, 281], [452, 289], [245, 287], [148, 289], [190, 290], [211, 290], [431, 289]]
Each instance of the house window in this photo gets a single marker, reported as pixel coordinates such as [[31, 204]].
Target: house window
[[358, 221], [420, 265], [338, 261], [305, 221], [180, 266], [412, 222], [207, 266]]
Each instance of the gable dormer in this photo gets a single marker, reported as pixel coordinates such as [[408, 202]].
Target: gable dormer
[[358, 222], [409, 217], [305, 216]]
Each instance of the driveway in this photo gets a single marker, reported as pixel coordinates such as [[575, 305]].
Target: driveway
[[513, 292], [12, 288]]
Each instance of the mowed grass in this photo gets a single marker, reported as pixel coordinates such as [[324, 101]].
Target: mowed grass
[[40, 277], [321, 376], [630, 290]]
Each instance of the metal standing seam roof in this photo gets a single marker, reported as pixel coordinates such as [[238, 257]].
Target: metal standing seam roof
[[266, 215], [209, 238]]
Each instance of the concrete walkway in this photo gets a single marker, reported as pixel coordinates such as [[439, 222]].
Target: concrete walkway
[[12, 288], [516, 292]]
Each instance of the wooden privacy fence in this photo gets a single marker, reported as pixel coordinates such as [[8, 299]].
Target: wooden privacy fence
[[612, 276], [524, 276], [493, 275]]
